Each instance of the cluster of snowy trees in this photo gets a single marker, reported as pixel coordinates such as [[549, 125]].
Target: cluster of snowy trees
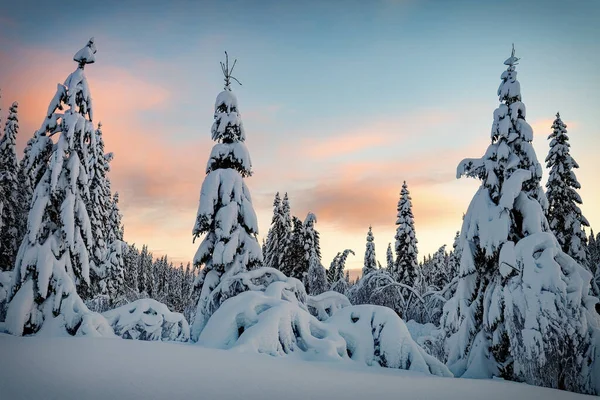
[[61, 236], [516, 297]]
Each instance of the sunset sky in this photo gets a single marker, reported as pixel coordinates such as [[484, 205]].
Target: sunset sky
[[341, 102]]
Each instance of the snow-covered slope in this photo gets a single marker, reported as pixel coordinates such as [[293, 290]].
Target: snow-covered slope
[[95, 368]]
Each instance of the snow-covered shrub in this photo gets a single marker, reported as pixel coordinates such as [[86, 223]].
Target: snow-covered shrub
[[376, 335], [326, 304], [361, 292], [147, 319], [341, 286], [259, 279], [263, 322]]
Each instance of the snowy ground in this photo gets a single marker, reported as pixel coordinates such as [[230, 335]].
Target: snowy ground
[[90, 368]]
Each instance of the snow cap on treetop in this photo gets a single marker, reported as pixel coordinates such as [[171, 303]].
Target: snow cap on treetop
[[87, 54]]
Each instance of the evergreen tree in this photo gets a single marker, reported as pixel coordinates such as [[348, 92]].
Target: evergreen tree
[[338, 272], [347, 277], [131, 269], [144, 270], [389, 258], [297, 261], [496, 323], [316, 279], [564, 215], [10, 209], [114, 264], [279, 238], [99, 208], [405, 269], [225, 216], [333, 268], [370, 264], [54, 256], [271, 255]]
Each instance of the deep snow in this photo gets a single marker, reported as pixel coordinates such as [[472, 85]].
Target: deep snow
[[95, 368]]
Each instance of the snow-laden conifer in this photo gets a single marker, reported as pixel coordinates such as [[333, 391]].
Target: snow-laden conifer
[[370, 263], [114, 264], [389, 258], [297, 261], [279, 237], [225, 216], [405, 269], [54, 256], [521, 309], [99, 206], [316, 278], [10, 209], [564, 215]]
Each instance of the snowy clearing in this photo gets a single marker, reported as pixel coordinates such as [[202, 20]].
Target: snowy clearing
[[94, 368]]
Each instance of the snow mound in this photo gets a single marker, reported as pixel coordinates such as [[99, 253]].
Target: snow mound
[[148, 319], [326, 304], [376, 335], [264, 322], [260, 323], [260, 279]]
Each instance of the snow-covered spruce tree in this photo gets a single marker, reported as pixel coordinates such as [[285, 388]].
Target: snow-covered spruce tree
[[99, 208], [564, 215], [370, 259], [279, 237], [439, 275], [130, 272], [519, 311], [315, 281], [333, 268], [10, 209], [270, 254], [113, 265], [53, 258], [389, 257], [337, 279], [299, 266], [225, 215], [144, 270], [405, 269]]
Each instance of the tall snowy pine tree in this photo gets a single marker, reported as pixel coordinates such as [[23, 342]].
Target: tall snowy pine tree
[[10, 208], [316, 278], [99, 207], [279, 237], [405, 269], [370, 264], [519, 310], [54, 256], [389, 258], [225, 214], [564, 215]]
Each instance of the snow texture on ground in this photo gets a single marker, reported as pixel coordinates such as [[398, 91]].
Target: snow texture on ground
[[98, 368]]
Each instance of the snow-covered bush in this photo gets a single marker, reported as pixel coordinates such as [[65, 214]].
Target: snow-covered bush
[[361, 292], [259, 279], [264, 322], [326, 304], [147, 319], [377, 336]]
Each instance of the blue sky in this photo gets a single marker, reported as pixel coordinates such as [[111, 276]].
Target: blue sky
[[341, 100]]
